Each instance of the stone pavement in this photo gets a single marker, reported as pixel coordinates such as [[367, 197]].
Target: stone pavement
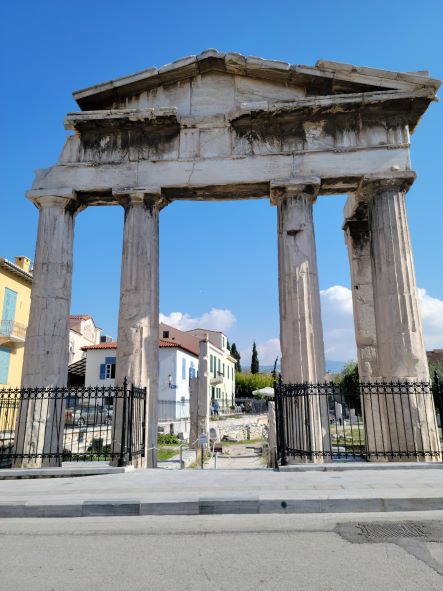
[[193, 492]]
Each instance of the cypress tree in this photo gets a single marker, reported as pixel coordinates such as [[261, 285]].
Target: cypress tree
[[236, 355], [255, 367]]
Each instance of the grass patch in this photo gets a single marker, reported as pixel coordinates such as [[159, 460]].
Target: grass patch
[[166, 453]]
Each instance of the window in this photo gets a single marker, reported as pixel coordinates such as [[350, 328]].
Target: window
[[211, 357], [110, 371], [218, 365], [183, 368], [107, 369], [223, 369], [192, 370], [166, 334], [212, 392], [5, 357]]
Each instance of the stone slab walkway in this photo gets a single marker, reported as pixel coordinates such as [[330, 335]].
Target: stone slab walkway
[[193, 492]]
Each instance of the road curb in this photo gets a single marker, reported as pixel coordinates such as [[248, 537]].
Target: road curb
[[220, 506], [356, 466], [22, 473]]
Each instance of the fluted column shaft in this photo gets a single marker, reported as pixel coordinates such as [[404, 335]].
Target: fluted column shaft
[[359, 250], [40, 423], [409, 418], [138, 332], [301, 334], [300, 316], [401, 347]]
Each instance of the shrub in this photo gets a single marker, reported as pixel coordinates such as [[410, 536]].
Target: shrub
[[167, 439]]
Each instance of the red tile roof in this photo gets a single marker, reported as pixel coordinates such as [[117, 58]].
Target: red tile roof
[[79, 317], [112, 345], [162, 344]]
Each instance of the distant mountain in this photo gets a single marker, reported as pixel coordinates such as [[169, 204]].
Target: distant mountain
[[331, 367]]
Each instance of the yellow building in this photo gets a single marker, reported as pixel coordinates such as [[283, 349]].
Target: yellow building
[[15, 302]]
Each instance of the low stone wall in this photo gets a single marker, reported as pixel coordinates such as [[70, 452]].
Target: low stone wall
[[244, 427], [179, 427]]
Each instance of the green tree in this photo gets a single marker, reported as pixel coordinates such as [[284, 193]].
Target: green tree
[[255, 367], [435, 367], [348, 380], [246, 383], [236, 355]]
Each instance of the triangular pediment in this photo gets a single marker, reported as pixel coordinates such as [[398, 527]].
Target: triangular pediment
[[325, 78]]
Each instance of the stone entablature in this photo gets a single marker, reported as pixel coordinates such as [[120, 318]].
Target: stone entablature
[[225, 126], [245, 121]]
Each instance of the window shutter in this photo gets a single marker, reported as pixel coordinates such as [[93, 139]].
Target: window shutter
[[102, 371], [5, 356], [9, 304], [110, 360]]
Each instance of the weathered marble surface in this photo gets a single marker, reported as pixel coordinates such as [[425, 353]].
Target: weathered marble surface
[[401, 355], [359, 250], [227, 120], [226, 126], [47, 338], [199, 399], [301, 334], [138, 331]]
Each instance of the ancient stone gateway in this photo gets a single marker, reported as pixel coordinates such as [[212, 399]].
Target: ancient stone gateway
[[224, 126]]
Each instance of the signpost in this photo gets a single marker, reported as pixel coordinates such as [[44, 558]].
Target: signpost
[[203, 440]]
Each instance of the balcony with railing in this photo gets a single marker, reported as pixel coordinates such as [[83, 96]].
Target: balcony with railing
[[12, 332], [217, 378]]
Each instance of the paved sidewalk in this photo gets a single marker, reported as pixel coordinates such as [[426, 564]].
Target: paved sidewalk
[[192, 492]]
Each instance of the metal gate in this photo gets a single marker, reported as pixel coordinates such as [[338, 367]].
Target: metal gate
[[342, 409]]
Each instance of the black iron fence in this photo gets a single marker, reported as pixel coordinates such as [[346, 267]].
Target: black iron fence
[[53, 425], [379, 420]]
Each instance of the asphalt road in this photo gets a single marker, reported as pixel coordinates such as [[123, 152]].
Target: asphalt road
[[226, 553]]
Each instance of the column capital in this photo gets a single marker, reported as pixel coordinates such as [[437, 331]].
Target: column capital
[[306, 186], [63, 197], [150, 197], [374, 183]]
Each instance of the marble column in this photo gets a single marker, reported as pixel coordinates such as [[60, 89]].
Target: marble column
[[40, 423], [199, 403], [358, 240], [138, 332], [401, 351], [301, 335]]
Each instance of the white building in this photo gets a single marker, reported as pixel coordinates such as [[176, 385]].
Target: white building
[[221, 366], [178, 362], [82, 333]]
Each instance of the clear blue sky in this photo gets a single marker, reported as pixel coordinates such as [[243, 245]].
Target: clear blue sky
[[50, 48]]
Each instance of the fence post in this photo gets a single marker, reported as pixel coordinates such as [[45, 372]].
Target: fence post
[[130, 422], [123, 461], [439, 396], [280, 418]]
